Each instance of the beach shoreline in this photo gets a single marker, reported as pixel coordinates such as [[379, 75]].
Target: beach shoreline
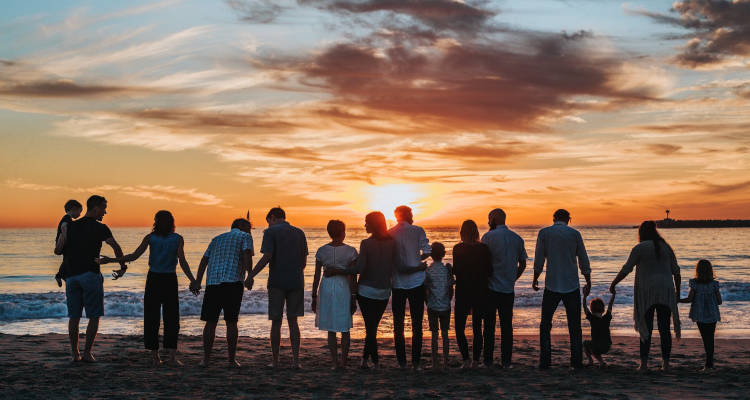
[[122, 371]]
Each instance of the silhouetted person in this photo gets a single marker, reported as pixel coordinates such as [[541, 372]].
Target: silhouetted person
[[81, 244], [285, 249], [226, 262], [472, 266], [333, 312], [705, 298], [377, 263], [73, 210], [408, 284], [560, 245], [438, 285], [508, 263], [601, 340], [656, 290], [161, 299]]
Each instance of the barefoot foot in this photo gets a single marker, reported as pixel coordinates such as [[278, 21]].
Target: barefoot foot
[[88, 357]]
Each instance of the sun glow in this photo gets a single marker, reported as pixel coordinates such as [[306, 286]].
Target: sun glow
[[422, 198]]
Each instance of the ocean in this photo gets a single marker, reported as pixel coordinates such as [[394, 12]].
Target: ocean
[[31, 302]]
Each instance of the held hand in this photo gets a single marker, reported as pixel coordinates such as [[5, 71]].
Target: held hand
[[423, 266], [612, 288], [314, 305], [587, 289], [103, 260], [535, 285], [118, 273], [249, 283]]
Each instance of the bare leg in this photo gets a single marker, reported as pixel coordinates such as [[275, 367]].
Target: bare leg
[[73, 335], [332, 347], [232, 335], [91, 331], [155, 359], [275, 341], [599, 358], [587, 350], [434, 348], [345, 342], [173, 358], [294, 337], [209, 334]]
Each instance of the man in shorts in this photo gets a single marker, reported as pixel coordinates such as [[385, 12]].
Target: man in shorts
[[80, 243], [226, 261], [285, 249]]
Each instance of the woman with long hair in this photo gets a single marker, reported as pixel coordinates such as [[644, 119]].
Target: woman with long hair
[[166, 248], [377, 261], [472, 266], [655, 291]]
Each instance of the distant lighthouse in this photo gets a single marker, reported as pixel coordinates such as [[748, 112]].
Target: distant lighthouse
[[667, 215]]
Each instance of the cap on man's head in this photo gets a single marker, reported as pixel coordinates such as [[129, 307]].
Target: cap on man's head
[[561, 215]]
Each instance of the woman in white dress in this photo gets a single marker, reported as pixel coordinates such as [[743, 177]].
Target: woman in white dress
[[334, 310]]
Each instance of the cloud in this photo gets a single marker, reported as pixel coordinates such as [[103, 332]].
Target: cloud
[[716, 189], [66, 88], [663, 149], [256, 11], [720, 30], [152, 192]]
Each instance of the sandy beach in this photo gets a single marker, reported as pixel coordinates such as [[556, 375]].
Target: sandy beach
[[38, 367]]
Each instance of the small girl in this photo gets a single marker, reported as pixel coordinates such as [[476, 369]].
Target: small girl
[[333, 313], [704, 298]]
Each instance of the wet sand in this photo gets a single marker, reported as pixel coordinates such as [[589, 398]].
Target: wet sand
[[38, 367]]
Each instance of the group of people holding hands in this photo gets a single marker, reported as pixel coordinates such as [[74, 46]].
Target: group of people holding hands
[[389, 266]]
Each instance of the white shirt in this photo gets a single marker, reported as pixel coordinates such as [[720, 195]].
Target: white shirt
[[411, 242], [506, 248], [560, 245]]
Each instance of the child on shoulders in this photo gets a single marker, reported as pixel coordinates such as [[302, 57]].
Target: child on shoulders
[[73, 210]]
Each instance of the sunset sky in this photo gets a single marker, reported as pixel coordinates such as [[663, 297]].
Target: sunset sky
[[332, 108]]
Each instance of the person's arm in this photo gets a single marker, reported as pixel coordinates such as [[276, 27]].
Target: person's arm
[[350, 269], [522, 256], [585, 304], [60, 244], [583, 263], [675, 272], [403, 269], [719, 300], [183, 261], [316, 281], [116, 274], [424, 245], [689, 298], [196, 286], [246, 258], [450, 281], [611, 303], [633, 259], [130, 257], [260, 265], [539, 257]]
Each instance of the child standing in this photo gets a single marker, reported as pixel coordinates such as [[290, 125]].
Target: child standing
[[333, 313], [601, 340], [73, 210], [439, 287], [704, 298]]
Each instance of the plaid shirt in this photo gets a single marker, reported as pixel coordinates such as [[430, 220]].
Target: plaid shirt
[[224, 256]]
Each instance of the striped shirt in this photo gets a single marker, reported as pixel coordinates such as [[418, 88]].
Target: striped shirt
[[224, 256]]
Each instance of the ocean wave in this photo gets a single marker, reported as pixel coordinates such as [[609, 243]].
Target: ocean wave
[[22, 306]]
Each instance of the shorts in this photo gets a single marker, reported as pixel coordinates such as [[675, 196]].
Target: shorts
[[294, 299], [596, 348], [85, 290], [439, 319], [225, 296]]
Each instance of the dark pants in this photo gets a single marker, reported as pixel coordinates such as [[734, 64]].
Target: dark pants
[[572, 302], [502, 305], [707, 334], [477, 309], [663, 314], [160, 300], [372, 312], [416, 298]]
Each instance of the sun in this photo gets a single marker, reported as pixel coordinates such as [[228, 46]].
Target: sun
[[386, 198]]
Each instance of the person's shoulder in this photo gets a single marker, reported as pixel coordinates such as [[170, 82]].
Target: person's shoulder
[[459, 246]]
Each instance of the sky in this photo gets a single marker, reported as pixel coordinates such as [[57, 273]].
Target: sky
[[613, 110]]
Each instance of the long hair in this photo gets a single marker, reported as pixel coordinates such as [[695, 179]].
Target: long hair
[[163, 223], [647, 231], [376, 220], [469, 231], [704, 271]]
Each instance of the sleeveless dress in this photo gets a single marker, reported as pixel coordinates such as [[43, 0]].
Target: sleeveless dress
[[334, 295]]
